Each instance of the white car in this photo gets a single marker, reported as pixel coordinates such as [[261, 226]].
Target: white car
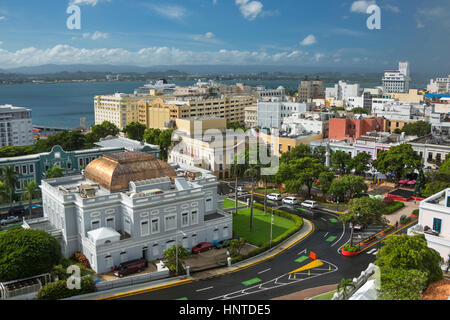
[[274, 197], [310, 204], [290, 200], [9, 220]]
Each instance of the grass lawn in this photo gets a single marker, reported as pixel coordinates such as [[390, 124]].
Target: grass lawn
[[261, 226], [269, 190], [227, 203], [325, 296]]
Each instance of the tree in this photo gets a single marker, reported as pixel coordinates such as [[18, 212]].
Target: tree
[[235, 126], [434, 187], [253, 172], [340, 160], [344, 287], [68, 140], [30, 191], [347, 187], [419, 128], [299, 152], [135, 131], [320, 153], [361, 163], [400, 160], [445, 167], [160, 138], [101, 131], [410, 253], [10, 179], [359, 111], [4, 193], [170, 258], [399, 284], [363, 211], [236, 247], [298, 173], [26, 252], [325, 180], [55, 172]]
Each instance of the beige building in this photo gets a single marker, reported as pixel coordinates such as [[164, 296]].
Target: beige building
[[412, 96], [280, 145], [391, 125], [155, 113], [119, 109], [251, 117]]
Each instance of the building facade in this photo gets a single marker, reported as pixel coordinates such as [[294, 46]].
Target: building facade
[[397, 81], [131, 206], [439, 86], [272, 114], [310, 89], [433, 150], [15, 126], [343, 91], [352, 129]]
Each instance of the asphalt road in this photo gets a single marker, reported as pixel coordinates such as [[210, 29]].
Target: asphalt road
[[271, 278]]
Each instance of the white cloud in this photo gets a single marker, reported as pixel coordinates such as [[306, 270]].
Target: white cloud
[[309, 40], [392, 8], [152, 56], [1, 43], [208, 37], [95, 36], [2, 18], [361, 6], [250, 9], [87, 2], [168, 11]]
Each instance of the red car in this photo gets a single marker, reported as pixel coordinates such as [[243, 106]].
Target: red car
[[202, 247]]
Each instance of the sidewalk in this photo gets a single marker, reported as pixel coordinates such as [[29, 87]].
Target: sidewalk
[[165, 283], [406, 210]]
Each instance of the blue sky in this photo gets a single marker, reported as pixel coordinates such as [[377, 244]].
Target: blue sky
[[240, 32]]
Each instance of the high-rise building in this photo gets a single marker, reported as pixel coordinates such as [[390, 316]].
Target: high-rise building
[[439, 86], [397, 81], [15, 126], [311, 89], [342, 91]]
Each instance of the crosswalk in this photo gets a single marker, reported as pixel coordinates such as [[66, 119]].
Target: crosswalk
[[372, 251]]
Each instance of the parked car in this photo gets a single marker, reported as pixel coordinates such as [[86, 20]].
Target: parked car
[[9, 220], [202, 247], [222, 244], [130, 267], [290, 200], [17, 210], [357, 227], [310, 204], [274, 197]]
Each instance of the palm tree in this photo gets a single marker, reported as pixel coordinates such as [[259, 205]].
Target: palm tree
[[30, 192], [54, 172], [344, 287], [10, 179], [253, 172]]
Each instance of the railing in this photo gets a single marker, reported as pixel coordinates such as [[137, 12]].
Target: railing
[[357, 282]]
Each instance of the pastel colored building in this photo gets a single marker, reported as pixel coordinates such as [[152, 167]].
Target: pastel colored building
[[352, 129]]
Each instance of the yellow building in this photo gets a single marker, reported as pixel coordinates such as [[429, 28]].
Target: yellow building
[[155, 113], [280, 145], [412, 96], [119, 109], [391, 125]]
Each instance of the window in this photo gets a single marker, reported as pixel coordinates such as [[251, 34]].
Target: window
[[437, 224], [69, 165], [155, 250], [185, 219], [194, 217], [170, 222], [24, 169], [127, 226], [95, 224], [31, 168], [81, 162], [216, 234], [109, 262], [145, 230], [155, 226], [110, 223], [225, 232]]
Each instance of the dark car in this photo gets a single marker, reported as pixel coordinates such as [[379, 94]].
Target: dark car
[[130, 267], [17, 210], [202, 247], [222, 244]]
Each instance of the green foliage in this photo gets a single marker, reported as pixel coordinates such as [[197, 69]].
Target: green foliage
[[347, 187], [361, 162], [135, 131], [55, 172], [399, 284], [59, 290], [30, 191], [419, 128], [326, 179], [400, 160], [404, 219], [435, 187], [341, 161], [410, 253], [16, 151], [344, 286], [359, 111], [391, 208], [347, 247], [300, 151], [445, 167], [68, 140], [160, 138], [235, 126], [26, 253], [236, 247], [170, 258]]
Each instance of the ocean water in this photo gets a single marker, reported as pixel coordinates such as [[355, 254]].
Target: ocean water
[[63, 105]]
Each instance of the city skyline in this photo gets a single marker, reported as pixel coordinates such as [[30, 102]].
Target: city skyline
[[219, 32]]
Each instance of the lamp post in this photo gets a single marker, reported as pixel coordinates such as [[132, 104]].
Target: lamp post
[[176, 250], [271, 224]]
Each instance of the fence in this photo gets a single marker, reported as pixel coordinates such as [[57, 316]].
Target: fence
[[129, 281], [23, 287], [357, 282]]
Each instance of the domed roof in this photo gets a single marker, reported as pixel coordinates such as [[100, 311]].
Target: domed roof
[[115, 171]]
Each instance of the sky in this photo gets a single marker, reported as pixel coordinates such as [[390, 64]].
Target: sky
[[322, 33]]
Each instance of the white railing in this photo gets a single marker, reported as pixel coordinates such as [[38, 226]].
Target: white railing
[[357, 282]]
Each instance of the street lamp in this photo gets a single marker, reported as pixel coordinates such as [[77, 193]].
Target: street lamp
[[176, 250], [271, 225]]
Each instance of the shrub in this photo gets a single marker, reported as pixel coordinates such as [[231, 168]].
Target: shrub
[[26, 253], [59, 290], [369, 239], [347, 247], [416, 212], [81, 258], [388, 200], [388, 229], [404, 219], [396, 205]]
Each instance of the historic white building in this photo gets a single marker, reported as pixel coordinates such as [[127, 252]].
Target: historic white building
[[130, 206], [272, 114]]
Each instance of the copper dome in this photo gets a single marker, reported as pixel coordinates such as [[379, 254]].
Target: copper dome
[[115, 171]]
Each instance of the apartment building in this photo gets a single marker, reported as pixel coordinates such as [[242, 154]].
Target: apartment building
[[15, 126], [434, 223], [119, 109], [439, 86], [307, 122], [397, 81], [251, 116], [311, 89], [342, 91], [352, 129], [131, 206], [272, 114], [156, 113], [433, 150]]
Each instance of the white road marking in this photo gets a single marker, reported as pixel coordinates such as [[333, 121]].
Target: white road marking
[[343, 232], [264, 270], [375, 252], [326, 234], [371, 251], [304, 251], [323, 218], [204, 289]]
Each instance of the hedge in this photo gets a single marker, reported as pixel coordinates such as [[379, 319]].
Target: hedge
[[59, 290], [391, 208], [283, 214], [347, 247]]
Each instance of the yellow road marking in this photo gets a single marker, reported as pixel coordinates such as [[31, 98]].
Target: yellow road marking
[[311, 265]]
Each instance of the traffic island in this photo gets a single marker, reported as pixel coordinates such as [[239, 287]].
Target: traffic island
[[349, 251]]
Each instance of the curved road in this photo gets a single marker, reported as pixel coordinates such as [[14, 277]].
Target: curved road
[[275, 277]]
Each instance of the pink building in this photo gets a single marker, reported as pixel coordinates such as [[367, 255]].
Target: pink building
[[352, 129]]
